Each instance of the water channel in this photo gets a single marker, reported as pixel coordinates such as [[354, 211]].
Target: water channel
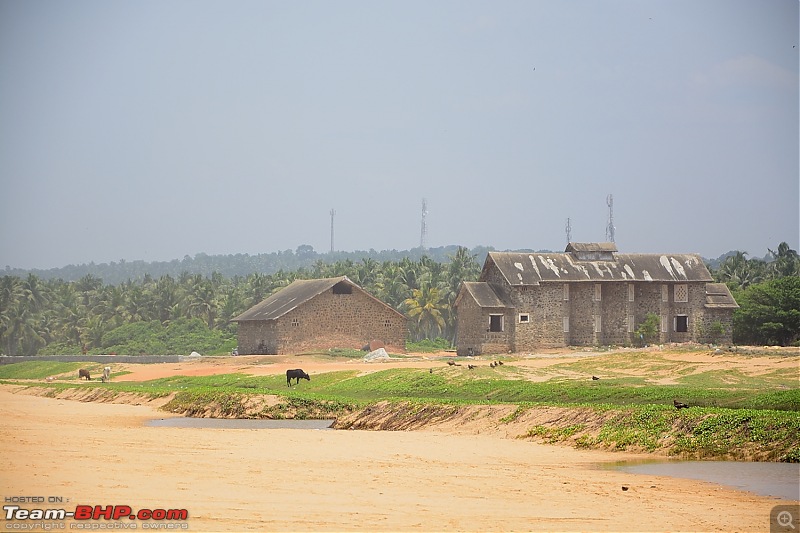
[[781, 480]]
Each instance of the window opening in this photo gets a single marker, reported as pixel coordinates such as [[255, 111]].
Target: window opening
[[681, 323], [495, 323], [681, 293], [342, 288]]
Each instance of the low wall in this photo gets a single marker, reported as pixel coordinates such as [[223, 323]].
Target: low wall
[[144, 359]]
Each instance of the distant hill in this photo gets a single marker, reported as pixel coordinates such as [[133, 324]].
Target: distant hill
[[243, 265], [230, 266]]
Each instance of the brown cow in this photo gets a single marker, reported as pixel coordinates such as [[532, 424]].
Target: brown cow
[[83, 373]]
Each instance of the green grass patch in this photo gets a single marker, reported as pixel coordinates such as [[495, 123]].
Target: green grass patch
[[39, 369], [732, 415]]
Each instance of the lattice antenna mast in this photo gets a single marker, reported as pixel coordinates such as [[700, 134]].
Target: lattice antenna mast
[[610, 227], [333, 213], [568, 229], [423, 232]]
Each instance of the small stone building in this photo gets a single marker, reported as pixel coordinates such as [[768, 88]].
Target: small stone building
[[589, 295], [319, 314]]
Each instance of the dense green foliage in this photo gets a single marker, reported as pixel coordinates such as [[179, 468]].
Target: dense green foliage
[[48, 316], [83, 316], [769, 313]]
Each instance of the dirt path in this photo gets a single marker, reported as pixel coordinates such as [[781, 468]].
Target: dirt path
[[295, 480]]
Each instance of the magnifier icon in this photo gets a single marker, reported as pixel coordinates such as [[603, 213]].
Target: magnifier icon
[[785, 519]]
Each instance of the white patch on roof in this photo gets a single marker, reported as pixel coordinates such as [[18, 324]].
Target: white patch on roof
[[547, 262], [602, 268], [678, 267], [598, 269], [629, 270], [646, 275], [519, 276], [667, 266], [519, 266], [581, 268], [536, 268]]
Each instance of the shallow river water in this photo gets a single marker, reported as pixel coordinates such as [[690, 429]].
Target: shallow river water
[[781, 480]]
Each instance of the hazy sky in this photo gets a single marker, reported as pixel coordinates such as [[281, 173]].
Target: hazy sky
[[156, 129]]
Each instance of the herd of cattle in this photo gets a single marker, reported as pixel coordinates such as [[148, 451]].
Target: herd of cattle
[[297, 374], [84, 374]]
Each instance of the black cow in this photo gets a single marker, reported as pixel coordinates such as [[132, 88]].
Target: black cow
[[83, 373], [295, 374]]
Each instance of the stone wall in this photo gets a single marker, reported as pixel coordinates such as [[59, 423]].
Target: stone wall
[[472, 329], [104, 359], [594, 313], [327, 321]]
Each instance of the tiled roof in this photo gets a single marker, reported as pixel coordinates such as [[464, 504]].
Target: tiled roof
[[533, 268]]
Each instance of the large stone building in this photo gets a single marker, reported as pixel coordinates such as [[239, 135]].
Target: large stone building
[[589, 295], [319, 314]]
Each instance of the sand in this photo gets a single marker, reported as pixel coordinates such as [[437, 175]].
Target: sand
[[302, 480]]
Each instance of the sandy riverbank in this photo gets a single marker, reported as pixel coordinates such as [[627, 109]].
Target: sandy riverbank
[[295, 480]]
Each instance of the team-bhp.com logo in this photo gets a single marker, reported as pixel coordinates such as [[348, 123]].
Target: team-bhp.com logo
[[89, 513]]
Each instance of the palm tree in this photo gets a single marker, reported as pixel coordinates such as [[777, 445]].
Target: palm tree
[[425, 310], [739, 272], [785, 262], [200, 299], [35, 293]]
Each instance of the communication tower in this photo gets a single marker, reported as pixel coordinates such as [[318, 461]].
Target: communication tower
[[568, 229], [423, 232], [333, 212], [610, 226]]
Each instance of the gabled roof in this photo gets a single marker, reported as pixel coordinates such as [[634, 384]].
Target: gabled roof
[[296, 294], [534, 268], [718, 296], [482, 293]]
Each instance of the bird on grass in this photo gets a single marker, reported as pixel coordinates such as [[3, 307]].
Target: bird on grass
[[679, 405]]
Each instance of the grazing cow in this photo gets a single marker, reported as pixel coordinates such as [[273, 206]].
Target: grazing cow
[[470, 366], [296, 374], [679, 405], [83, 373], [106, 374]]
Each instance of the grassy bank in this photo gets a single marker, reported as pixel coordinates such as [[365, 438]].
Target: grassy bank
[[736, 415]]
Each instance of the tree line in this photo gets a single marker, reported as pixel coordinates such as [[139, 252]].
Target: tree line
[[85, 315]]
